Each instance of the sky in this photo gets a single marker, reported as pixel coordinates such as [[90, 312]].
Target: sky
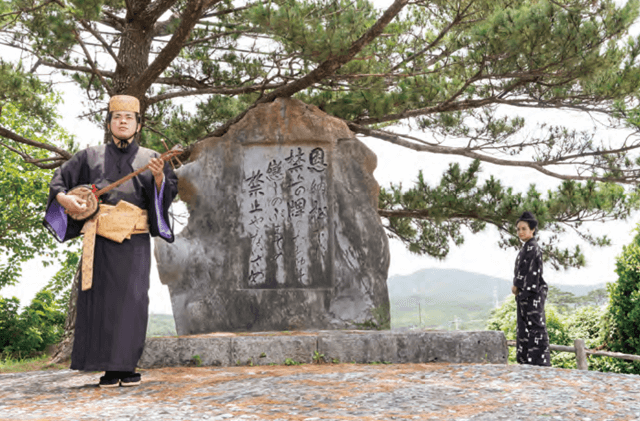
[[480, 253]]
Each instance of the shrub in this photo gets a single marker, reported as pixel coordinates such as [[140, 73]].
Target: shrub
[[27, 334], [586, 323], [621, 329]]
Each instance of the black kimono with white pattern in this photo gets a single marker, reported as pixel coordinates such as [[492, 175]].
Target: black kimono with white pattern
[[533, 340]]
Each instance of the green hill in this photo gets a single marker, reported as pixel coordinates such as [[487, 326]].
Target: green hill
[[161, 325]]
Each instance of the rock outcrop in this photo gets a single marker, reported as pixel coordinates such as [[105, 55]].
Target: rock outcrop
[[283, 231]]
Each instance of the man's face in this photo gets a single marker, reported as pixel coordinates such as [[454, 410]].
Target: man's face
[[123, 124]]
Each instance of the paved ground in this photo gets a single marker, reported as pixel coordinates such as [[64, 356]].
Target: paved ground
[[327, 392]]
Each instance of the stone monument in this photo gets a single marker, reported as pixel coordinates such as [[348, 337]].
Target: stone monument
[[283, 232]]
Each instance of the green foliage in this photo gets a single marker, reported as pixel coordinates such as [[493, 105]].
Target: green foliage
[[315, 30], [25, 95], [622, 327], [381, 319], [504, 318], [21, 365], [197, 360], [557, 327], [60, 284], [498, 40], [318, 358], [177, 125], [291, 361], [28, 333], [24, 192], [428, 218], [563, 300], [586, 323], [566, 301]]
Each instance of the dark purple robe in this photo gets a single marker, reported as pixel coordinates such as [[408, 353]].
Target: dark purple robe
[[112, 316]]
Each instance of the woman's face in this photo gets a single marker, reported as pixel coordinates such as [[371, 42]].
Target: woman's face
[[524, 232]]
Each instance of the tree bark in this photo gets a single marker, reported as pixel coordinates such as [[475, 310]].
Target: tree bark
[[62, 351]]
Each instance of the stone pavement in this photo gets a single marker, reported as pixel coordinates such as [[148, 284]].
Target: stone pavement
[[434, 391]]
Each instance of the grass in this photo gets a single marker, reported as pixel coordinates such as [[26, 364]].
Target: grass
[[11, 365]]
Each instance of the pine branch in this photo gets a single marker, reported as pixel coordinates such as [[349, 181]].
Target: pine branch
[[156, 9], [86, 25], [63, 155], [325, 69], [82, 69], [630, 178], [114, 21], [458, 18], [192, 13], [213, 90], [94, 68]]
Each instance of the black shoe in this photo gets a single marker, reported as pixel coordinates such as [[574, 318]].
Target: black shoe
[[130, 379], [110, 379]]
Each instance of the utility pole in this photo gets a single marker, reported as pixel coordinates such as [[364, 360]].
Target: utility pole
[[419, 314]]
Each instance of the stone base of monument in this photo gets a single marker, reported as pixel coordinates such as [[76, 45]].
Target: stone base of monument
[[264, 348]]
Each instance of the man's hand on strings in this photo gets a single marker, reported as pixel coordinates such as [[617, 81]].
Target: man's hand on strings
[[156, 166], [72, 204]]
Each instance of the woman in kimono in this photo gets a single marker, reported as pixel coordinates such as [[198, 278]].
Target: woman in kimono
[[530, 290], [113, 302]]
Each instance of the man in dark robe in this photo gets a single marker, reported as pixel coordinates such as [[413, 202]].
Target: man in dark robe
[[530, 290], [112, 315]]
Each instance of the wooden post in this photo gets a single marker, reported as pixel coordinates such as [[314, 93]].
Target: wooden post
[[581, 355]]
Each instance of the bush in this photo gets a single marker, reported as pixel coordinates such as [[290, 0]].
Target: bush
[[9, 330], [504, 318], [586, 323], [27, 334], [621, 328]]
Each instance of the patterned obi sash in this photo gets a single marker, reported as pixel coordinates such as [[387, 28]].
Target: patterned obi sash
[[116, 223]]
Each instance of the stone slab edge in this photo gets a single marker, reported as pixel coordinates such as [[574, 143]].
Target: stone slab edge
[[266, 348]]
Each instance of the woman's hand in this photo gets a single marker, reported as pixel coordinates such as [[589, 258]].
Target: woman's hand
[[515, 290], [72, 204]]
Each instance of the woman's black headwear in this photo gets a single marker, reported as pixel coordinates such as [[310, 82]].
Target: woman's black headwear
[[529, 218]]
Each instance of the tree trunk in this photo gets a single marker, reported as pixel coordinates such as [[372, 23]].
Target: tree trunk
[[62, 351]]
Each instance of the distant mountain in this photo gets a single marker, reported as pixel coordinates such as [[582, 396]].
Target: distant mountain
[[449, 285], [446, 298]]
